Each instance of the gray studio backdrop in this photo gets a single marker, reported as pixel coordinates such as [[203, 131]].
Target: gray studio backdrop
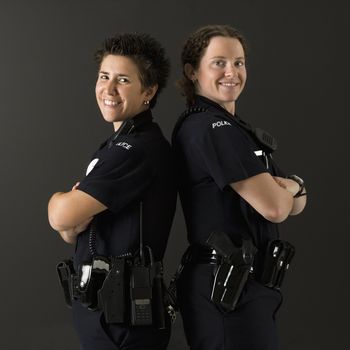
[[298, 79]]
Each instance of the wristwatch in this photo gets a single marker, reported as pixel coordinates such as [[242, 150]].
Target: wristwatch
[[300, 182]]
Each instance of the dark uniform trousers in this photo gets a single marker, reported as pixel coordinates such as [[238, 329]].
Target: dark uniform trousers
[[95, 334], [251, 326]]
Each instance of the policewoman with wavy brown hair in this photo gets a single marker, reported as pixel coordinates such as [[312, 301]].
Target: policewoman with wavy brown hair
[[233, 196]]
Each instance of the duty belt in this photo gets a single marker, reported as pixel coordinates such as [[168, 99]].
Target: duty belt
[[275, 263], [126, 289]]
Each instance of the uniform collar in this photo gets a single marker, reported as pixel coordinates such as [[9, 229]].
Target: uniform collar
[[207, 103], [145, 117], [213, 106], [130, 126]]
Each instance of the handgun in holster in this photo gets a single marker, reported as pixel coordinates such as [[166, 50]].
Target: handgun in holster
[[65, 271], [233, 272], [111, 296], [278, 257]]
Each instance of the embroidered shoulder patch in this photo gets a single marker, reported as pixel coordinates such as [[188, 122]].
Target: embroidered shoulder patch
[[220, 123], [124, 145]]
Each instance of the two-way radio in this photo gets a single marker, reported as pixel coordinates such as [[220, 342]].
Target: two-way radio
[[141, 281]]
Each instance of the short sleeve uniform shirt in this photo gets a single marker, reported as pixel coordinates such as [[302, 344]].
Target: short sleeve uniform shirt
[[133, 168], [212, 151]]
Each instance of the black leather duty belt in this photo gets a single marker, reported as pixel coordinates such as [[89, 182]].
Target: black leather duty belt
[[269, 269]]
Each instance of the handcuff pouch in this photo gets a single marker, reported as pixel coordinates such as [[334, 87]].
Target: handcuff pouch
[[278, 257], [65, 271]]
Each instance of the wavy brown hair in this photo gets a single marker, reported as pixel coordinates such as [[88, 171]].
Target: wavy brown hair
[[193, 51]]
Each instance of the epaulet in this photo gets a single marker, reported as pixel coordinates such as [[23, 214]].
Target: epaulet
[[192, 110], [185, 115]]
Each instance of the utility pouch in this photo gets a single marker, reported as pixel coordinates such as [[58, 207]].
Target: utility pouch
[[81, 284], [99, 270], [89, 281], [65, 271], [112, 294], [232, 274], [278, 257]]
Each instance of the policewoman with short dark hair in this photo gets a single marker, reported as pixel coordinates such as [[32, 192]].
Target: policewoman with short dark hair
[[233, 196], [120, 214]]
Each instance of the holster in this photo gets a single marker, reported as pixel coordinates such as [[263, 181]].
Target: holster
[[111, 297], [233, 272]]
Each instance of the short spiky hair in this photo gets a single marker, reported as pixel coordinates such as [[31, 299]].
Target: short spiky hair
[[147, 53]]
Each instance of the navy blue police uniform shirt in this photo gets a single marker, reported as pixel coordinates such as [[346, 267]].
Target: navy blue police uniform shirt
[[137, 167], [212, 151]]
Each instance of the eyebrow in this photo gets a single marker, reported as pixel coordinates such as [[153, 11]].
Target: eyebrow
[[119, 74], [236, 58]]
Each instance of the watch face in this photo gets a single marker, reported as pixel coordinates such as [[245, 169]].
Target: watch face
[[298, 179]]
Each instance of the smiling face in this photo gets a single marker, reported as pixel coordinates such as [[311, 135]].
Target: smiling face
[[119, 91], [221, 74]]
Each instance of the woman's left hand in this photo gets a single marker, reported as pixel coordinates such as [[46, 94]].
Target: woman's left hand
[[288, 184]]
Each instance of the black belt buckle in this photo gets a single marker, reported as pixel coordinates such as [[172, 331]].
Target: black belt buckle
[[65, 271], [279, 255]]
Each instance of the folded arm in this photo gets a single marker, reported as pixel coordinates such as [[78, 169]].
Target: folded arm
[[272, 197], [71, 212]]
